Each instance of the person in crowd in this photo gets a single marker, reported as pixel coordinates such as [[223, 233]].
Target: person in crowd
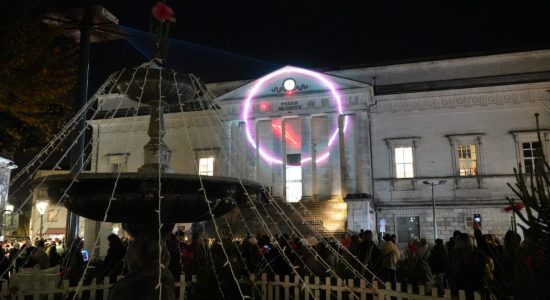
[[410, 250], [354, 245], [28, 260], [472, 267], [422, 249], [369, 254], [72, 266], [509, 259], [191, 255], [451, 243], [311, 263], [390, 257], [40, 255], [346, 241], [14, 251], [248, 248], [4, 263], [414, 269], [59, 245], [173, 246], [113, 265], [439, 263], [53, 256]]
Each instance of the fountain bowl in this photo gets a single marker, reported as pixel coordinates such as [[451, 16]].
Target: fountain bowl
[[134, 197]]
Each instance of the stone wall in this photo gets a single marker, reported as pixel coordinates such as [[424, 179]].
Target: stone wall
[[494, 220]]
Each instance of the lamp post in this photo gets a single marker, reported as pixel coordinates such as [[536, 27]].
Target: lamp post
[[41, 207], [432, 184], [85, 25]]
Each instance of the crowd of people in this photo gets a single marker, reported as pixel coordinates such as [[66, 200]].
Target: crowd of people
[[464, 262], [23, 253], [480, 262], [53, 256]]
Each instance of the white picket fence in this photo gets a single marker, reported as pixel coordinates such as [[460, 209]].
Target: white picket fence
[[45, 286], [40, 286], [288, 288]]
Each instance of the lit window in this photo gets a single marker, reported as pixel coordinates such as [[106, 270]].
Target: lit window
[[404, 162], [467, 160], [531, 155], [206, 166], [467, 152], [293, 178]]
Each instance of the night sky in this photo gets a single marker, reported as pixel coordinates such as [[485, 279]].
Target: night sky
[[244, 39]]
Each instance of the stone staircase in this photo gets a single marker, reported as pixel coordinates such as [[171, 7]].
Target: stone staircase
[[325, 217]]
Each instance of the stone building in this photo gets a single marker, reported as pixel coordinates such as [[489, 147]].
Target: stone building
[[458, 126], [361, 148], [8, 220]]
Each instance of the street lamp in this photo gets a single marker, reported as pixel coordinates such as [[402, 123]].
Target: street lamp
[[41, 207], [432, 184]]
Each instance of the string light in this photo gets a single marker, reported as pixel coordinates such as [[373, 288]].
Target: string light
[[209, 100]]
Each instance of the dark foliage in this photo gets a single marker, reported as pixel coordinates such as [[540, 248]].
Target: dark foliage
[[37, 73]]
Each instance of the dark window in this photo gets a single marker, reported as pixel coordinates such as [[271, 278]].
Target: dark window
[[532, 155], [407, 229], [293, 159]]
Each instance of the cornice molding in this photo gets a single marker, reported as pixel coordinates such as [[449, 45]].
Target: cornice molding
[[465, 100]]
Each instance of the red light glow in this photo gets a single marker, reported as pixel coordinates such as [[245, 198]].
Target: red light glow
[[264, 106], [290, 135]]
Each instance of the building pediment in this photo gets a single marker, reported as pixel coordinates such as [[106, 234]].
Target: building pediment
[[293, 82]]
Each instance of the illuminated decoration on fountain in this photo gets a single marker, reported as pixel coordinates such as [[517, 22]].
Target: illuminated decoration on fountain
[[287, 71]]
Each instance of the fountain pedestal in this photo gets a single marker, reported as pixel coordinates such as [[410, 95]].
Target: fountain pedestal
[[145, 264], [156, 154]]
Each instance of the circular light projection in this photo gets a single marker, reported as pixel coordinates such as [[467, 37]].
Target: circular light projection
[[288, 71], [289, 84]]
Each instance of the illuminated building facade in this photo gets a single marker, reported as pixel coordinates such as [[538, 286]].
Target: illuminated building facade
[[362, 148]]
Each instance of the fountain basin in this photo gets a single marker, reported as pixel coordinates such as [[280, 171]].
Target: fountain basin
[[133, 198]]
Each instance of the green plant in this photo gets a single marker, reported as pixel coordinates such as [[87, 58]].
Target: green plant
[[533, 189]]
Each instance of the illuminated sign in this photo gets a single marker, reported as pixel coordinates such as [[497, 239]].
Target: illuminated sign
[[289, 105]]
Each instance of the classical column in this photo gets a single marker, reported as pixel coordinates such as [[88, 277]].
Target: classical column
[[239, 144], [226, 154], [277, 150], [334, 157], [283, 156], [363, 164], [306, 151], [314, 175], [244, 154], [348, 153], [250, 156]]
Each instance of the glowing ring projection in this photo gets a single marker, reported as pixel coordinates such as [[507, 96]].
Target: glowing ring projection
[[287, 71]]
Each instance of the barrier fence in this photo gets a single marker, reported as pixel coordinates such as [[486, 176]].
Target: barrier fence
[[47, 286]]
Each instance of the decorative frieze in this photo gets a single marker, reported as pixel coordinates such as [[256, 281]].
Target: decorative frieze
[[456, 101], [275, 106]]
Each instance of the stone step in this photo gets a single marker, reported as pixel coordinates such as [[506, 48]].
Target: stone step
[[326, 218]]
